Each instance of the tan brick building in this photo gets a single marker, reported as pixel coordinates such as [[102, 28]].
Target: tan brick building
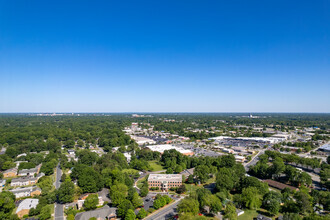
[[165, 181], [10, 173]]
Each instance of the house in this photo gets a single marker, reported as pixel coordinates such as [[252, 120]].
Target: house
[[25, 206], [23, 181], [165, 181], [72, 152], [29, 172], [262, 217], [21, 155], [239, 212], [10, 173], [100, 214], [82, 199], [128, 157], [26, 192], [2, 184]]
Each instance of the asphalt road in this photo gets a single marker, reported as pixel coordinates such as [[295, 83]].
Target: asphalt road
[[58, 213], [164, 213], [254, 160]]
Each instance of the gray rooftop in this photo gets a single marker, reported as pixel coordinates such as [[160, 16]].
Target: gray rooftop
[[98, 213], [27, 204]]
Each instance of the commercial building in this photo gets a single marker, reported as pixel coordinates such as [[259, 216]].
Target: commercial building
[[165, 181], [325, 148], [142, 140], [162, 147], [262, 140], [25, 206]]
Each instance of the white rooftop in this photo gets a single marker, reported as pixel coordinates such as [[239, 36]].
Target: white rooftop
[[162, 147], [27, 204], [165, 177]]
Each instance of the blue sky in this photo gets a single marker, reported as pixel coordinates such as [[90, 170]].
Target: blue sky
[[164, 56]]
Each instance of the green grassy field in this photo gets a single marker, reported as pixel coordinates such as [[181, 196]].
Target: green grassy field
[[140, 182], [192, 188], [248, 215], [155, 166]]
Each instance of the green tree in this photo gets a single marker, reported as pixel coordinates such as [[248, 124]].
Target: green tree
[[169, 170], [7, 204], [190, 179], [188, 205], [136, 200], [181, 189], [142, 213], [230, 212], [91, 202], [271, 202], [214, 203], [90, 180], [70, 217], [158, 203], [123, 207], [66, 192], [291, 216], [278, 167], [202, 172], [251, 198], [304, 202], [45, 213], [118, 193], [130, 215], [144, 190]]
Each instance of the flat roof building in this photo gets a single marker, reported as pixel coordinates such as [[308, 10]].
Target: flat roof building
[[162, 147], [165, 181], [25, 206]]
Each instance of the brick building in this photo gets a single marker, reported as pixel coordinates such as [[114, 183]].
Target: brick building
[[165, 181]]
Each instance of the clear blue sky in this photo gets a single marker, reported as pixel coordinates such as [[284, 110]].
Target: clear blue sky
[[164, 56]]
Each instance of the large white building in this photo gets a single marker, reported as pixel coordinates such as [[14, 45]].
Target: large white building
[[162, 147], [269, 140], [142, 140]]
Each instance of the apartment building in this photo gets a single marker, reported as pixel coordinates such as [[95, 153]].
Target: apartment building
[[26, 192]]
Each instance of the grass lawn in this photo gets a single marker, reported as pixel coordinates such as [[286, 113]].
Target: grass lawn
[[52, 210], [141, 181], [155, 166], [248, 215], [130, 171], [192, 188], [211, 180]]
